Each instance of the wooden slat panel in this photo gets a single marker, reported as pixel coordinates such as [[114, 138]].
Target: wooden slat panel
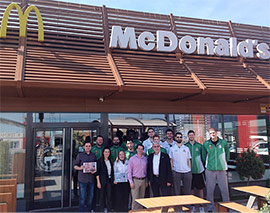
[[8, 55], [64, 66], [224, 74], [243, 32], [154, 71], [262, 70]]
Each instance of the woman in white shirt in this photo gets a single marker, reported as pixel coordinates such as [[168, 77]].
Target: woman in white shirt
[[122, 188]]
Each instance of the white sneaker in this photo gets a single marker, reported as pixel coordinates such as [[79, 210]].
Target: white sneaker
[[201, 209]]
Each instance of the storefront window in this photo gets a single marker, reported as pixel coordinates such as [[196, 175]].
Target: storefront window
[[65, 117], [247, 131], [138, 123], [12, 148], [199, 123]]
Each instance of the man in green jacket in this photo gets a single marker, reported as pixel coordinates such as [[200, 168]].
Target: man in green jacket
[[115, 148], [97, 149], [198, 180], [217, 156]]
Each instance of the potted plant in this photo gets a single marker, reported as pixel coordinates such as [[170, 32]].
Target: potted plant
[[250, 165]]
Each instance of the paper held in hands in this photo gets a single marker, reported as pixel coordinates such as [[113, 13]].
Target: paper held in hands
[[90, 167], [120, 177]]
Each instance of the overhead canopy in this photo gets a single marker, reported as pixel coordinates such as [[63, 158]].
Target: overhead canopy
[[74, 61]]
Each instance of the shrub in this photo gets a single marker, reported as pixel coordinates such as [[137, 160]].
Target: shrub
[[250, 165]]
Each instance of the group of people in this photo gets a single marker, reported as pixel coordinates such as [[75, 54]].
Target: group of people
[[167, 168]]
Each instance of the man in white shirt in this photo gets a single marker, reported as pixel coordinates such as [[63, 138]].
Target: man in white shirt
[[181, 165], [148, 142], [169, 140]]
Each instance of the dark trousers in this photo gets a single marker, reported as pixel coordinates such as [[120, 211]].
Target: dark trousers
[[105, 200], [86, 196], [121, 194], [159, 189]]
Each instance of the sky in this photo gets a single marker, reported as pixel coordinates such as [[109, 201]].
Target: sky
[[254, 12]]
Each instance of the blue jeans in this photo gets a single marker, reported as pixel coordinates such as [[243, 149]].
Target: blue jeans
[[86, 193]]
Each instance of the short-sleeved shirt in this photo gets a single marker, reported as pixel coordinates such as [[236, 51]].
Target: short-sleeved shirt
[[147, 145], [97, 151], [180, 156], [167, 146], [84, 158]]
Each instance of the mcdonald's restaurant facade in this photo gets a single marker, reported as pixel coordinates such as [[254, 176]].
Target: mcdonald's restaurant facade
[[68, 71]]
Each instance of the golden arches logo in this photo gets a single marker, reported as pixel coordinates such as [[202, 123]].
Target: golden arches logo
[[23, 17]]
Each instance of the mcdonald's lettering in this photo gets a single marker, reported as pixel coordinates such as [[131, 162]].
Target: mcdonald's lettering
[[23, 17]]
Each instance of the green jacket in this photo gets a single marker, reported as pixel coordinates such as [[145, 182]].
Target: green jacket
[[114, 151], [151, 150], [130, 154], [216, 156], [197, 154], [97, 151], [136, 142]]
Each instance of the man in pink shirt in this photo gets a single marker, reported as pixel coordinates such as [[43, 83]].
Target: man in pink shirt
[[137, 167]]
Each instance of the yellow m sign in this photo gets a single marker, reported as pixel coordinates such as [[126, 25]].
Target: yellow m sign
[[23, 17]]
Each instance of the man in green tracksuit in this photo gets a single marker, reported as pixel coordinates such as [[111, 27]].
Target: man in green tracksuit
[[115, 148], [97, 149], [217, 156], [197, 152]]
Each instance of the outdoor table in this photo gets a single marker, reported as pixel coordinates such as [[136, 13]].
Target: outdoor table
[[255, 192], [170, 201]]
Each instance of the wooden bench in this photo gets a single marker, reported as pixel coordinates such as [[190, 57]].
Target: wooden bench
[[3, 207], [8, 188], [156, 210], [6, 198], [13, 190], [8, 182], [227, 206]]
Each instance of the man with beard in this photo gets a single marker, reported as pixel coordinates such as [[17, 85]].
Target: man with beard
[[198, 180], [181, 165], [169, 140], [97, 149], [115, 148]]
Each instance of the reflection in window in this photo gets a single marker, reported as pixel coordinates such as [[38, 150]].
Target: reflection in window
[[65, 117], [12, 148], [199, 123], [246, 131]]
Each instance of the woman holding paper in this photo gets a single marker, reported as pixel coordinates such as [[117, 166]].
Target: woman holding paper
[[105, 177], [122, 187]]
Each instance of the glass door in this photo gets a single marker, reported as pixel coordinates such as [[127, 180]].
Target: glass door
[[48, 171]]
